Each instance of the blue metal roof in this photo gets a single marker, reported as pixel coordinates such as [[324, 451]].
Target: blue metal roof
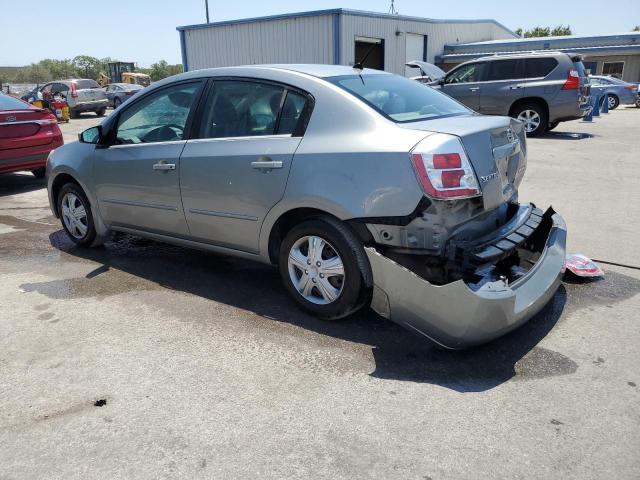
[[340, 11], [604, 50], [595, 40]]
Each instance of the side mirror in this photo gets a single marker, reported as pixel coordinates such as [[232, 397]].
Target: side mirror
[[91, 135]]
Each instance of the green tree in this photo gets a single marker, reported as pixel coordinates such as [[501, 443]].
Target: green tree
[[159, 70], [59, 69], [87, 66], [561, 30], [558, 31]]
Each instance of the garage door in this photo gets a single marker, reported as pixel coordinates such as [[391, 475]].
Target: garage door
[[415, 51]]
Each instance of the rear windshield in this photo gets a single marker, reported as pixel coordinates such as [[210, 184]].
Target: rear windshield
[[398, 98], [10, 103], [84, 84]]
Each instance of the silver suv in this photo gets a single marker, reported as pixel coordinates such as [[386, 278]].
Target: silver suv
[[364, 188], [540, 89], [82, 95]]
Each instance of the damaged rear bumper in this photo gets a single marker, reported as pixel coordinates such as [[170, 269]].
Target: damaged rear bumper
[[459, 314]]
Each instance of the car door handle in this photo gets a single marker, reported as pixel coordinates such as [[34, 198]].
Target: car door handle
[[515, 87], [164, 166], [474, 89], [265, 163]]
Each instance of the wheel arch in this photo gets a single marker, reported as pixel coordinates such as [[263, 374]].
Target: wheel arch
[[56, 185], [525, 100]]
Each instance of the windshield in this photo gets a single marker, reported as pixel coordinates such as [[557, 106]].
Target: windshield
[[10, 103], [398, 98]]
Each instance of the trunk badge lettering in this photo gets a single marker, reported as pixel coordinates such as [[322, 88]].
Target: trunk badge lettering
[[489, 177], [11, 119]]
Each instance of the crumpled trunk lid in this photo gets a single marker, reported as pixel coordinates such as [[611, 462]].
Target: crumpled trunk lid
[[496, 147]]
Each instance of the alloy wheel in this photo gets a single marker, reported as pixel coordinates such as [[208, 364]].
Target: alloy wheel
[[74, 215], [316, 270], [611, 102], [531, 120]]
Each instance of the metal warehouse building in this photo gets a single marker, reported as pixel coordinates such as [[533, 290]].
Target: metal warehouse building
[[336, 36], [615, 54]]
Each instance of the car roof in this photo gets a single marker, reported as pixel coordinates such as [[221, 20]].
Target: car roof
[[516, 55], [315, 70]]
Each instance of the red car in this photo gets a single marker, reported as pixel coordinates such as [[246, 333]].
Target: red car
[[27, 135]]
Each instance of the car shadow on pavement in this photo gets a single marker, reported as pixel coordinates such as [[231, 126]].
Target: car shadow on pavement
[[558, 135], [15, 183], [398, 353]]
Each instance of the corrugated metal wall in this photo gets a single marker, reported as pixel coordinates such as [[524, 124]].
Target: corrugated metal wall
[[352, 26], [291, 40]]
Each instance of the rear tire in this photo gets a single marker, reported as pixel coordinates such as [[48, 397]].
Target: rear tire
[[74, 114], [329, 266], [101, 112], [116, 103], [39, 172], [534, 117], [75, 215], [614, 102]]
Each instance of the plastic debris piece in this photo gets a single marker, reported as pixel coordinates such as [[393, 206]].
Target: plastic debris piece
[[582, 266]]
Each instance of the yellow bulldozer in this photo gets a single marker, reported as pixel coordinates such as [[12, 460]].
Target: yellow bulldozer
[[122, 72]]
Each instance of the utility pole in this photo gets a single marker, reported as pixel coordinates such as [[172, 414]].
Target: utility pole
[[206, 6]]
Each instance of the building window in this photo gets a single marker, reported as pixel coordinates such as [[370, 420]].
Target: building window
[[370, 52], [613, 68], [591, 68]]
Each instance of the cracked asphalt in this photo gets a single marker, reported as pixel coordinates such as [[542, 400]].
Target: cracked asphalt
[[144, 360]]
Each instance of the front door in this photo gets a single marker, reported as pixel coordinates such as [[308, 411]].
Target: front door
[[236, 169], [464, 84], [137, 179]]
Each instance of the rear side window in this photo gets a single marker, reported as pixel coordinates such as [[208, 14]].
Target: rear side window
[[239, 108], [10, 103], [291, 113], [539, 67], [502, 70], [84, 84]]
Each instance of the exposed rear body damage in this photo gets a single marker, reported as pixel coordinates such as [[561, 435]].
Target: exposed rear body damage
[[461, 314]]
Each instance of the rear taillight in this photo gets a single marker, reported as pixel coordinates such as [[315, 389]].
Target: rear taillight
[[74, 93], [443, 169], [129, 93], [573, 80], [630, 87]]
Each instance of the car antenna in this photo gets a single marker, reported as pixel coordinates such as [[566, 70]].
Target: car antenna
[[359, 65]]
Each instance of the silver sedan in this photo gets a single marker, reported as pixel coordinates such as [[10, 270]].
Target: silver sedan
[[362, 187]]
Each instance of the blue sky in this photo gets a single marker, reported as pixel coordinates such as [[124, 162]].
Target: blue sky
[[144, 30]]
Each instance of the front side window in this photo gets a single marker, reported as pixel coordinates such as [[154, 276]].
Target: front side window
[[238, 108], [502, 70], [398, 98], [467, 73], [159, 117]]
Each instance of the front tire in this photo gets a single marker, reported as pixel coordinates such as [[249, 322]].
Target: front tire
[[75, 215], [534, 118], [325, 269], [613, 102], [101, 112]]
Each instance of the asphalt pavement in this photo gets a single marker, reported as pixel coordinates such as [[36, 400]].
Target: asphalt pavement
[[143, 360]]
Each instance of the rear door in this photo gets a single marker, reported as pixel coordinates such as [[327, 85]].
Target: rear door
[[464, 84], [503, 85], [137, 178], [236, 168]]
